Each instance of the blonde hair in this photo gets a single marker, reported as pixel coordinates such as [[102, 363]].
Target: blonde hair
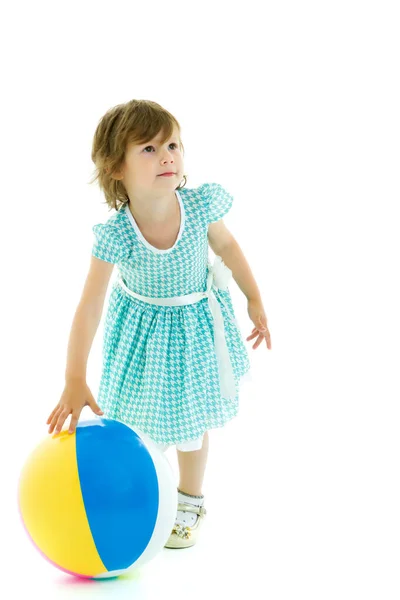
[[137, 121]]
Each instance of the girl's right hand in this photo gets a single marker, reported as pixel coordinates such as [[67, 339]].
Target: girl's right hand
[[75, 396]]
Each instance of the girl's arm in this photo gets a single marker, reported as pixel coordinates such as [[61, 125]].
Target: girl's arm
[[87, 318], [76, 393], [223, 244]]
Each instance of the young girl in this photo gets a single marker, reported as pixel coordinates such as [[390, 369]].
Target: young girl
[[173, 356]]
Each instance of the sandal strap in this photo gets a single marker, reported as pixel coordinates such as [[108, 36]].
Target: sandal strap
[[198, 510]]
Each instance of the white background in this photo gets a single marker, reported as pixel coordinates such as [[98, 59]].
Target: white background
[[294, 108]]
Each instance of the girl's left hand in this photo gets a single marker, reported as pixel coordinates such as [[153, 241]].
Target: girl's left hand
[[257, 315]]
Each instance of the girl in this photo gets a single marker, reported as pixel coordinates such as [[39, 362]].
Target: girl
[[173, 357]]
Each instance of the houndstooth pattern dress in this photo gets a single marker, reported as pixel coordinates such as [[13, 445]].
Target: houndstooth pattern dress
[[160, 371]]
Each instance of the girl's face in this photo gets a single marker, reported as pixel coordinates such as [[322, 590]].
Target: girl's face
[[144, 164]]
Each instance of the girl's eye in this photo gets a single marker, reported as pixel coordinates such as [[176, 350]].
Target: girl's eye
[[172, 144]]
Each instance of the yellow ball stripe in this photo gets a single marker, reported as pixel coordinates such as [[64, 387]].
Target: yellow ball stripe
[[52, 506]]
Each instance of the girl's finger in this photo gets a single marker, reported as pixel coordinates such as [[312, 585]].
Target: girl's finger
[[73, 422], [258, 342], [63, 415], [54, 419], [259, 330], [51, 415], [252, 335], [268, 342]]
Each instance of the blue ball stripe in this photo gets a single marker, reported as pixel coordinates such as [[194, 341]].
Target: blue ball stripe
[[121, 516]]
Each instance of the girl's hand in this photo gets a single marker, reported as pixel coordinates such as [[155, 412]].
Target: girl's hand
[[75, 396], [257, 315]]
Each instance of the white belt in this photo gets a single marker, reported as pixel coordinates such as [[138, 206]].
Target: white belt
[[218, 277]]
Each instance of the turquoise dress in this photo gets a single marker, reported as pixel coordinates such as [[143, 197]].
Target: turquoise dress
[[160, 370]]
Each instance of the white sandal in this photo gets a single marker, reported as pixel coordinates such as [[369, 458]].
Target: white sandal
[[183, 536]]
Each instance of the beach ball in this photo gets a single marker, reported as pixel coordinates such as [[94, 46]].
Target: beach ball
[[100, 501]]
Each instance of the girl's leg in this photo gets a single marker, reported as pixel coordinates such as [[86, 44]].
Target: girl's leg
[[192, 466]]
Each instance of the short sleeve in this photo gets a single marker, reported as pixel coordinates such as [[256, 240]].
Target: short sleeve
[[109, 243], [219, 201]]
